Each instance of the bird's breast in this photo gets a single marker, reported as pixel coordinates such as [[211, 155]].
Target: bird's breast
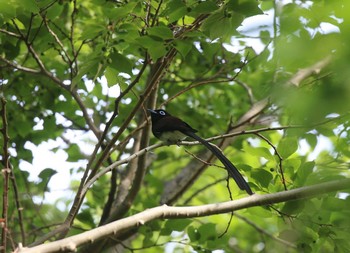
[[172, 137]]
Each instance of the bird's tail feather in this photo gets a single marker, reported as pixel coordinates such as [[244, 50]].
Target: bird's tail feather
[[232, 170]]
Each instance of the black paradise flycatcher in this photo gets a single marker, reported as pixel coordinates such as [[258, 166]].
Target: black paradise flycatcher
[[172, 130]]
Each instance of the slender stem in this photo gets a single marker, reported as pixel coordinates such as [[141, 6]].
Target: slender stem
[[279, 157], [6, 171]]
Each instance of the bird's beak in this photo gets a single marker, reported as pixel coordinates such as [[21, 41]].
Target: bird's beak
[[152, 111]]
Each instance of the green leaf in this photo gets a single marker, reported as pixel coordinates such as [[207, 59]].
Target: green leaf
[[19, 24], [304, 172], [30, 6], [54, 11], [74, 153], [85, 219], [334, 204], [23, 126], [11, 50], [262, 152], [311, 140], [157, 52], [204, 7], [184, 47], [26, 155], [127, 32], [265, 36], [45, 176], [50, 123], [175, 10], [111, 75], [88, 68], [175, 225], [245, 7], [193, 234], [207, 231], [162, 32], [7, 10], [262, 177], [325, 232], [289, 235], [293, 207], [93, 31], [155, 47], [121, 63], [221, 25], [148, 41], [120, 12], [287, 146]]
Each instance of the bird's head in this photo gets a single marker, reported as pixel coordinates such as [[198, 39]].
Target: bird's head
[[158, 114]]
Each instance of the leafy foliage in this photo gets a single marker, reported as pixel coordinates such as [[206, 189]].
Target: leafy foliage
[[80, 74]]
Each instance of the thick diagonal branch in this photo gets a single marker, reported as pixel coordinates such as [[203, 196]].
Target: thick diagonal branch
[[167, 212]]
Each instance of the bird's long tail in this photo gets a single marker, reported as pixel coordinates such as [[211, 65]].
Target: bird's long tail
[[232, 170]]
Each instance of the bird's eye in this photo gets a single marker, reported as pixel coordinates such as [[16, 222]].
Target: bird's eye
[[162, 113]]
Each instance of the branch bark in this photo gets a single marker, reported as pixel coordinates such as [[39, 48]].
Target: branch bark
[[304, 73], [167, 212]]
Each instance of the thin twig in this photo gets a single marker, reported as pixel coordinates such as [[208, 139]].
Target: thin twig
[[262, 231], [248, 89], [264, 129], [18, 207], [10, 33], [74, 62], [114, 165], [206, 187], [19, 67], [30, 25], [156, 13], [279, 157], [202, 161], [6, 171], [65, 56], [210, 80], [147, 16], [231, 215]]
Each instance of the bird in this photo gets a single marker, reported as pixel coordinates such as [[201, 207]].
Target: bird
[[170, 129]]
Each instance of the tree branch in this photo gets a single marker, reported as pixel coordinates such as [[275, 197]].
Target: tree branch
[[6, 171], [304, 73], [167, 212], [19, 67], [10, 33]]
